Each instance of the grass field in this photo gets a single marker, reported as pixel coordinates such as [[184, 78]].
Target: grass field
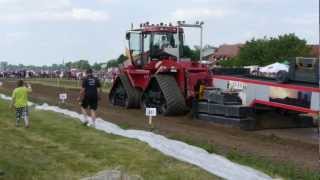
[[65, 83], [57, 147]]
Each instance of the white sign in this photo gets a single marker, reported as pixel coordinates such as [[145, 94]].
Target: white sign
[[151, 112], [1, 83], [237, 85], [63, 96]]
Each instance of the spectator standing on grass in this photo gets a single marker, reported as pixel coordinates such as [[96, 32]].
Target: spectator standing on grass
[[20, 102], [89, 96]]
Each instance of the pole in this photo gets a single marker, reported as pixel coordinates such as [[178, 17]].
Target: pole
[[318, 118], [201, 43], [150, 120], [178, 42]]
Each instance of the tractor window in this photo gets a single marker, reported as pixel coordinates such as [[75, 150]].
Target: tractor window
[[164, 45], [146, 42], [135, 44], [165, 40]]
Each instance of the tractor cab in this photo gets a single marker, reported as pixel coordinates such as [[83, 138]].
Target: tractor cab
[[154, 43]]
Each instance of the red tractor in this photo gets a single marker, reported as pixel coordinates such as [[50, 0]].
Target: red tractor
[[158, 76]]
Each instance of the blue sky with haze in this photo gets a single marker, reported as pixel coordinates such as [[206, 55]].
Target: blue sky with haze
[[47, 31]]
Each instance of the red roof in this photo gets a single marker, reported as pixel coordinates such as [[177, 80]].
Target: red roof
[[227, 51], [314, 51]]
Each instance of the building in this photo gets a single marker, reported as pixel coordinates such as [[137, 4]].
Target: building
[[207, 52], [315, 51], [225, 52]]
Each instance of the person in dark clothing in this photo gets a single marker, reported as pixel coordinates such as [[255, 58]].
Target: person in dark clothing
[[89, 96]]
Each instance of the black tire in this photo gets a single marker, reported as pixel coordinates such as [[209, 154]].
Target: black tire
[[132, 95], [282, 76], [143, 103], [173, 101]]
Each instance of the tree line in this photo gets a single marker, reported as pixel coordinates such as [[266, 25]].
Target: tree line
[[266, 51], [80, 64]]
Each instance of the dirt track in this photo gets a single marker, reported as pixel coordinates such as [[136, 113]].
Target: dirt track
[[303, 154]]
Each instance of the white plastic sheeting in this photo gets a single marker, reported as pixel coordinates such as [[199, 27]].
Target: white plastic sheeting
[[215, 164], [4, 97]]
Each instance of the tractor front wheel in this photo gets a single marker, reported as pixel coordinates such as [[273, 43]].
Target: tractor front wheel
[[123, 94]]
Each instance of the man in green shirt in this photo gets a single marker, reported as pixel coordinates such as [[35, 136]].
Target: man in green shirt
[[20, 102]]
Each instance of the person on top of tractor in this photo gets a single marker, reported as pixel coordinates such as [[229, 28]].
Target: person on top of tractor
[[164, 46], [163, 43]]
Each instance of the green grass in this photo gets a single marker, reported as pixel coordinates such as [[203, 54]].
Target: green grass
[[285, 170], [275, 169], [57, 147], [64, 83]]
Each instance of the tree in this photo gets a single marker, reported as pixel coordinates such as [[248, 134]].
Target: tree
[[121, 59], [54, 67], [230, 63], [112, 63], [82, 64], [269, 50], [116, 62], [193, 54], [68, 65], [3, 65], [96, 66]]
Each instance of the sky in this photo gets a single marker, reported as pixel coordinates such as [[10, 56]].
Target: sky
[[42, 32]]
